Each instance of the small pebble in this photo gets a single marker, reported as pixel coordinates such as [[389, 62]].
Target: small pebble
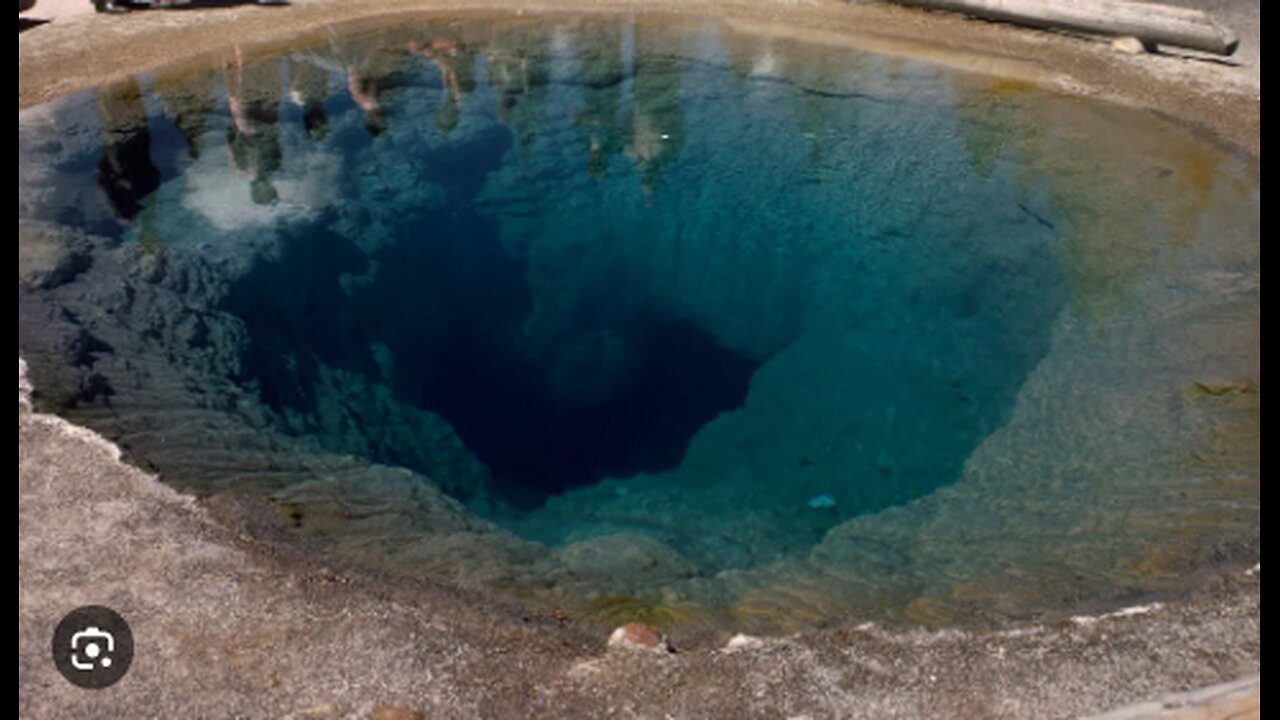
[[743, 642], [639, 636], [1130, 45]]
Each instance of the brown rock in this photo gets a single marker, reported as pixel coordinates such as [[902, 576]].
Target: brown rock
[[385, 711]]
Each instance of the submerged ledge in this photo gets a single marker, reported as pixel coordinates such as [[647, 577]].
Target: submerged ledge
[[249, 632]]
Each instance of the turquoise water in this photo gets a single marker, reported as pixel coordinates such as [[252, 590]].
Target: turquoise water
[[653, 306]]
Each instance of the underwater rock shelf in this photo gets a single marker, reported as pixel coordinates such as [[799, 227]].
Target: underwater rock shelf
[[661, 321]]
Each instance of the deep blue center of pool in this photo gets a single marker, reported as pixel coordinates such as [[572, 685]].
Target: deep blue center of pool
[[622, 390]]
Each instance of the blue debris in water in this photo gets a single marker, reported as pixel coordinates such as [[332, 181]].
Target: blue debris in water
[[821, 502]]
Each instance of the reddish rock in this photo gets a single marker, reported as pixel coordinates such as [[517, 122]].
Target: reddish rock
[[639, 636]]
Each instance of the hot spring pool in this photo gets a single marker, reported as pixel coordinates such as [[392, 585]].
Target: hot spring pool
[[663, 321]]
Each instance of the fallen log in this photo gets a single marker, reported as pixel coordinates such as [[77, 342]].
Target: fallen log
[[1149, 22]]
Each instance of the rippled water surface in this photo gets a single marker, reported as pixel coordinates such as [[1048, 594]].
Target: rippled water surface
[[679, 322]]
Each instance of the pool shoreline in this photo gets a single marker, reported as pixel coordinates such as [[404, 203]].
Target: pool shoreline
[[1213, 94], [555, 667]]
